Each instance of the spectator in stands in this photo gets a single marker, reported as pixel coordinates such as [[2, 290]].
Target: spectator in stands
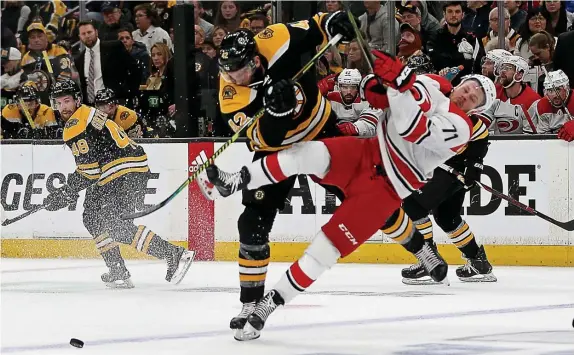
[[493, 44], [409, 44], [412, 15], [49, 13], [517, 15], [228, 15], [375, 24], [355, 59], [257, 23], [564, 53], [218, 34], [164, 10], [510, 33], [8, 37], [138, 51], [429, 24], [105, 64], [333, 6], [209, 48], [199, 36], [198, 12], [330, 64], [11, 74], [113, 21], [148, 33], [536, 21], [558, 16], [542, 48], [476, 18], [15, 14]]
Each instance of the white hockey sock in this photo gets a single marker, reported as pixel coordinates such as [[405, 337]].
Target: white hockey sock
[[309, 158], [318, 258]]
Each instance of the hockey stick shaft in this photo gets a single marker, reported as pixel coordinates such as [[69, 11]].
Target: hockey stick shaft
[[569, 226], [23, 215], [365, 49], [247, 125], [27, 113]]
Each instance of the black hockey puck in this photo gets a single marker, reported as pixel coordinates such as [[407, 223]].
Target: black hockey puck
[[76, 343]]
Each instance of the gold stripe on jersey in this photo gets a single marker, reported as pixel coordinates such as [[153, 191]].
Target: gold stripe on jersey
[[122, 173], [273, 42], [92, 174], [479, 131], [401, 230], [234, 97], [113, 163]]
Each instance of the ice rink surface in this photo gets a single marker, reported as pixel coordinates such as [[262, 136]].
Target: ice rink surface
[[353, 309]]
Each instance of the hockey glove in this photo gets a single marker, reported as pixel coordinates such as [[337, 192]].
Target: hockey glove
[[472, 174], [338, 23], [373, 90], [567, 131], [348, 129], [60, 198], [280, 99], [393, 72]]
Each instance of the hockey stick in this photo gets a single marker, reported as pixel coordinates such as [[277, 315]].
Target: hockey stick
[[556, 91], [362, 43], [569, 226], [8, 221], [27, 114], [251, 121]]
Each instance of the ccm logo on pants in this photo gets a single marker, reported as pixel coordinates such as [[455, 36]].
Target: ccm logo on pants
[[348, 234]]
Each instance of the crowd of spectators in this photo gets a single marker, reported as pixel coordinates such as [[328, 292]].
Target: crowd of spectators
[[128, 47]]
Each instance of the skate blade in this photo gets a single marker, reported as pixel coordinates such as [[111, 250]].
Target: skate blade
[[184, 264], [207, 188], [425, 280], [247, 333], [479, 278], [122, 284]]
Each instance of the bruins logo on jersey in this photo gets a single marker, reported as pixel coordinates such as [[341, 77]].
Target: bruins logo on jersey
[[228, 92], [72, 122], [124, 115], [265, 34]]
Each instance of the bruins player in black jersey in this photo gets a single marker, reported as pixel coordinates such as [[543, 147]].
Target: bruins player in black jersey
[[255, 72], [444, 195], [114, 170], [107, 102], [15, 124]]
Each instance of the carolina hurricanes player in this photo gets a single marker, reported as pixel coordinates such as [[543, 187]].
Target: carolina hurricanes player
[[489, 61], [509, 114], [548, 114], [355, 116], [422, 129]]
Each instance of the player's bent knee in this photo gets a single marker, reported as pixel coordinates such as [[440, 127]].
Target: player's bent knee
[[306, 158], [413, 209], [255, 224], [447, 222]]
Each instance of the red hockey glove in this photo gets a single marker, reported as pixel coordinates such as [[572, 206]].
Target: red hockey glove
[[393, 72], [373, 90], [348, 129], [567, 131], [327, 84]]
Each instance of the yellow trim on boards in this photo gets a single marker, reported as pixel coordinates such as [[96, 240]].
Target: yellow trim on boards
[[512, 255]]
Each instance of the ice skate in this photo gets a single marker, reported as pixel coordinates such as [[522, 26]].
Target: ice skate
[[238, 322], [118, 277], [416, 273], [433, 263], [476, 269], [178, 263], [206, 187], [228, 183], [263, 309]]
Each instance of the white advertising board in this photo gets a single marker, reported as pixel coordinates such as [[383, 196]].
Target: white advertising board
[[28, 171]]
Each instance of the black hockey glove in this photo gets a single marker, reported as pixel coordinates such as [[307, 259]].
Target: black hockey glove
[[280, 99], [338, 23], [60, 198], [472, 174]]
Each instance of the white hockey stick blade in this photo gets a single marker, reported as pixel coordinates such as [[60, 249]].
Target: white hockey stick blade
[[208, 190], [184, 264]]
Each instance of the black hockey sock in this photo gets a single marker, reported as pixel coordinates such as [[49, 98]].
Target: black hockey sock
[[399, 228], [424, 226], [253, 261], [464, 240]]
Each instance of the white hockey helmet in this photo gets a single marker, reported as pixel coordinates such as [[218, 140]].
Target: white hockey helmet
[[488, 88], [520, 65], [556, 79], [350, 77], [496, 56]]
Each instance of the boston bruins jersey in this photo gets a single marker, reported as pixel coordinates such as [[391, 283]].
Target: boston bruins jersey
[[128, 120], [281, 47], [35, 68], [476, 148], [102, 150], [15, 124]]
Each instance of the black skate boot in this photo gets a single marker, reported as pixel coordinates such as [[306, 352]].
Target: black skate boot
[[238, 322], [178, 262], [433, 263], [118, 277], [263, 309], [228, 183], [416, 273], [476, 269]]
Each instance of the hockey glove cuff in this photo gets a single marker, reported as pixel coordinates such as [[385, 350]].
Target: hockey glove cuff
[[280, 99], [472, 174], [393, 72], [60, 198], [348, 129]]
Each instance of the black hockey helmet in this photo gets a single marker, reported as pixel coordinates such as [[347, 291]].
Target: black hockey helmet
[[65, 87], [237, 50], [105, 96], [28, 92]]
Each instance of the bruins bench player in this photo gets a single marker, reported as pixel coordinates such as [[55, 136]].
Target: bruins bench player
[[107, 102], [115, 171], [255, 73]]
